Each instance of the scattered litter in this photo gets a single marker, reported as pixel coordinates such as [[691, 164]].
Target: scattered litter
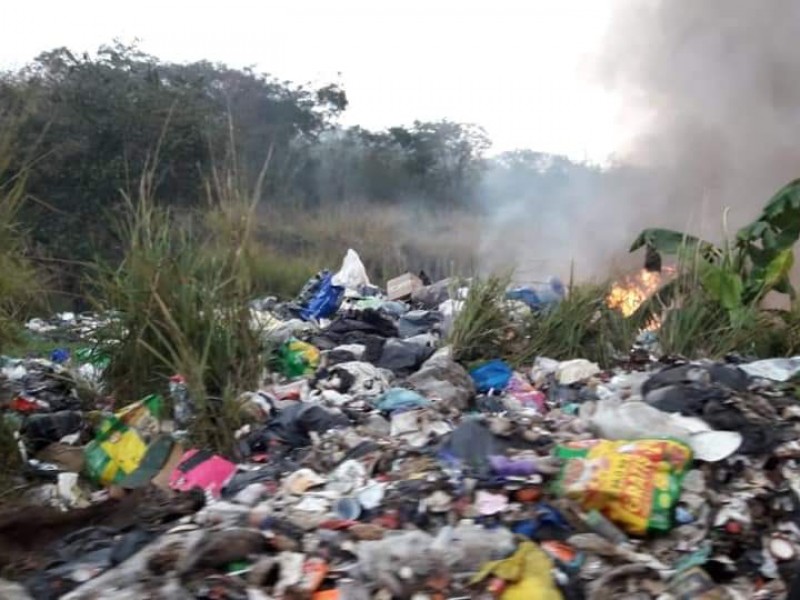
[[369, 464]]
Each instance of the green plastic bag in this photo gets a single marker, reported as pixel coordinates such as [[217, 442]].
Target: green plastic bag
[[296, 358]]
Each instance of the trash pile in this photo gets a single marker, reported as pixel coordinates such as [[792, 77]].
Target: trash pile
[[372, 465]]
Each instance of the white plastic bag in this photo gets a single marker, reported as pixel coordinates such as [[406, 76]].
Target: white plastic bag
[[775, 369], [575, 371], [352, 275], [614, 420]]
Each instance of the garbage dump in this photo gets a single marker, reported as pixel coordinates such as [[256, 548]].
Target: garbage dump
[[376, 466]]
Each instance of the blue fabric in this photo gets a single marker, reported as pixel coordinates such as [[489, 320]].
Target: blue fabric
[[401, 399], [325, 302], [494, 375]]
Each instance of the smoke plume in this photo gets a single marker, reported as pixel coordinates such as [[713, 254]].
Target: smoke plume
[[713, 87]]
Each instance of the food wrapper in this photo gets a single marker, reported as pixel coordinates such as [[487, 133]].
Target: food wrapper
[[635, 483]]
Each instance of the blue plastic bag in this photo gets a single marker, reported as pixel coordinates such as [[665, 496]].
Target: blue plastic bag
[[60, 355], [324, 302], [494, 375], [540, 296]]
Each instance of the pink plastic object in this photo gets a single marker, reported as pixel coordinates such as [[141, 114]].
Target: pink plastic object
[[202, 469], [526, 394]]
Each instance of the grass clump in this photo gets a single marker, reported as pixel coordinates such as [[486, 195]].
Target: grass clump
[[482, 325], [580, 326], [696, 324]]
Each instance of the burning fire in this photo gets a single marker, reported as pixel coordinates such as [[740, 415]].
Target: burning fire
[[629, 293]]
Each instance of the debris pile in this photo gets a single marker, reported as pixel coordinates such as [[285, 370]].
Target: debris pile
[[373, 465]]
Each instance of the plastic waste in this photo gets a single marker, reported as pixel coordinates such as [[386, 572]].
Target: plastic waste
[[443, 381], [431, 296], [416, 322], [505, 466], [325, 300], [59, 355], [182, 405], [774, 369], [298, 358], [353, 274], [603, 527], [526, 395], [360, 378], [493, 375], [418, 427], [401, 399], [616, 420], [526, 573], [120, 443], [202, 469], [635, 484], [468, 545], [541, 295], [347, 508], [570, 372]]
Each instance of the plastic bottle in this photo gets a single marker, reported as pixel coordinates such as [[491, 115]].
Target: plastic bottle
[[183, 406]]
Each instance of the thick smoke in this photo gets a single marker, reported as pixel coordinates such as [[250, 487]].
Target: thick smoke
[[713, 87]]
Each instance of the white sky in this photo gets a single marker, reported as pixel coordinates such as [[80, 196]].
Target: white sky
[[520, 68]]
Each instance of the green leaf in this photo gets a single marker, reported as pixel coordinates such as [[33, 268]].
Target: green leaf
[[724, 285], [778, 225], [778, 269]]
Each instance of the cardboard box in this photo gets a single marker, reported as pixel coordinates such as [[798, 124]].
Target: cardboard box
[[401, 288]]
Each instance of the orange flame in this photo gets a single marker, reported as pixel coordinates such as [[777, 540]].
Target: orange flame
[[628, 294]]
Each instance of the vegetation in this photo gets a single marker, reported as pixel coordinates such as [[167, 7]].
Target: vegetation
[[483, 321], [20, 282], [712, 307], [182, 249], [742, 272], [183, 298], [582, 325]]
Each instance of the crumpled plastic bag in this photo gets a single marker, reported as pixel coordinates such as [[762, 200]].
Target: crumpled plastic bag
[[418, 427], [774, 369], [382, 560], [443, 381], [401, 399], [325, 300], [352, 275], [492, 375], [298, 358], [575, 371], [527, 573]]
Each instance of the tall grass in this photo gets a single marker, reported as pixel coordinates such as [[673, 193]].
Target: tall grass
[[20, 282], [698, 327], [183, 291], [580, 326], [390, 240]]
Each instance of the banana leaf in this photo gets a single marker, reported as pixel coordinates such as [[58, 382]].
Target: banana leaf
[[724, 286], [777, 227], [671, 243]]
